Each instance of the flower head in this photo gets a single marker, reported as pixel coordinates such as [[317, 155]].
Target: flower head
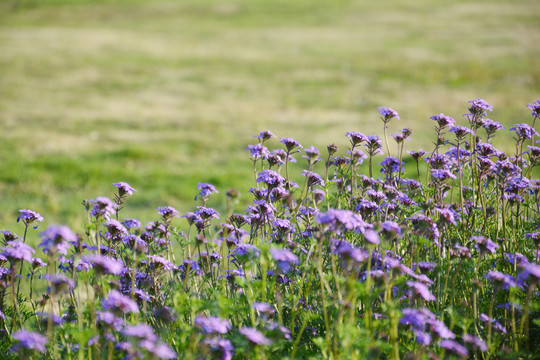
[[535, 108], [479, 107], [255, 336], [29, 216], [30, 341], [212, 324], [388, 113], [124, 189], [205, 190], [57, 239], [119, 303], [443, 121]]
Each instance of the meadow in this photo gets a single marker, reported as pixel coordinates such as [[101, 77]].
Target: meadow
[[166, 94]]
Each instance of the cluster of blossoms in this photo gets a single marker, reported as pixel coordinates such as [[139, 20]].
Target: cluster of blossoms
[[438, 262]]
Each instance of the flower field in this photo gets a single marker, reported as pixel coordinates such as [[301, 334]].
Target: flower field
[[356, 261]]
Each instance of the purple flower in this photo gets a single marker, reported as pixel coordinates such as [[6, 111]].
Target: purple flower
[[530, 272], [219, 349], [124, 189], [390, 165], [131, 223], [59, 284], [140, 332], [491, 126], [454, 347], [313, 178], [390, 229], [420, 290], [474, 342], [446, 216], [245, 252], [524, 131], [501, 280], [312, 154], [284, 258], [212, 324], [265, 135], [207, 213], [255, 336], [102, 206], [484, 245], [104, 264], [290, 143], [356, 138], [161, 263], [30, 341], [438, 328], [57, 239], [205, 190], [17, 251], [264, 308], [535, 108], [461, 131], [442, 174], [339, 220], [258, 151], [271, 178], [158, 349], [479, 107], [443, 121], [167, 212], [349, 253], [496, 325], [388, 113], [109, 319], [37, 263], [29, 216]]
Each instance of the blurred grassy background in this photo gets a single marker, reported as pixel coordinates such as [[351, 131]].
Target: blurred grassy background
[[164, 94]]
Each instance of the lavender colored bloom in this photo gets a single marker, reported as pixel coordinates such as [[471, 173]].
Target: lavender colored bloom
[[131, 223], [265, 135], [18, 251], [535, 108], [418, 289], [438, 328], [37, 263], [245, 252], [212, 324], [491, 126], [443, 121], [161, 263], [158, 349], [115, 228], [313, 178], [390, 229], [417, 155], [284, 258], [501, 280], [390, 165], [57, 239], [264, 308], [102, 206], [30, 341], [460, 251], [258, 151], [530, 272], [484, 245], [461, 131], [167, 212], [206, 190], [119, 303], [207, 213], [219, 349], [312, 153], [349, 253], [29, 216], [388, 113], [496, 325], [371, 236], [124, 189], [417, 318], [341, 220], [290, 143], [140, 332], [105, 264], [442, 174], [446, 216], [59, 284], [524, 131], [356, 138], [255, 336], [479, 107], [109, 319], [454, 347], [474, 342], [271, 178]]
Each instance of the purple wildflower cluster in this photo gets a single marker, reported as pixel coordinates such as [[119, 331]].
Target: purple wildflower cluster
[[437, 262]]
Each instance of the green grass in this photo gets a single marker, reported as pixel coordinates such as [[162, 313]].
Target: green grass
[[164, 94]]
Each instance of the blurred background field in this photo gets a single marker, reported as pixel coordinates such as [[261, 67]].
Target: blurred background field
[[166, 94]]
